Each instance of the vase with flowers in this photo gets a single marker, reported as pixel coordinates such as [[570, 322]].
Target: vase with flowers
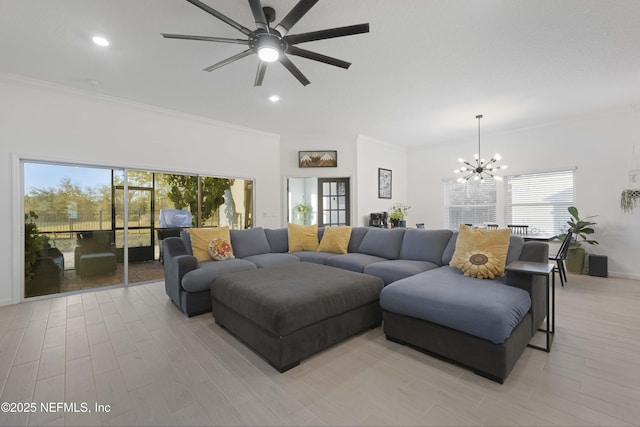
[[398, 215]]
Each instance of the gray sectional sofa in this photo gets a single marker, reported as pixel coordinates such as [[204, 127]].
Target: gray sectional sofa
[[482, 324]]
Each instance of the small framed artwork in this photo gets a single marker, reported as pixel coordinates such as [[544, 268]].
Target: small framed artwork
[[317, 159], [384, 183]]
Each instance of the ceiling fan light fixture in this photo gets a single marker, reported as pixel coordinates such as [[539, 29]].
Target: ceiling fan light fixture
[[268, 46], [268, 54]]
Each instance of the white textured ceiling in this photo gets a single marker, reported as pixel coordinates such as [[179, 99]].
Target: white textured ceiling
[[420, 76]]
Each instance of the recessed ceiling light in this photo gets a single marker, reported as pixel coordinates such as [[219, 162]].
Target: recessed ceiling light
[[100, 41], [274, 98]]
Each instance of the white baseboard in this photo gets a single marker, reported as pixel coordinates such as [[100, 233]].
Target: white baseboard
[[6, 301], [624, 275]]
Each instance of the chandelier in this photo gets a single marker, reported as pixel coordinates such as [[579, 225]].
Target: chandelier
[[481, 167]]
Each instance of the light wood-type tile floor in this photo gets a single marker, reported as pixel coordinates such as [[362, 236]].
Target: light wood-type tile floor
[[130, 349]]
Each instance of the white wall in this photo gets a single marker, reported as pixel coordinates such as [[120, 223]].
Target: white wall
[[39, 121], [374, 154], [600, 146]]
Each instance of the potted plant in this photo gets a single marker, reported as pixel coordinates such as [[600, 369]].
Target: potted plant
[[34, 244], [629, 199], [398, 215], [302, 213], [581, 229]]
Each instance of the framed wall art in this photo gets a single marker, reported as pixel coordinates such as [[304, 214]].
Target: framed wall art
[[384, 183], [317, 159]]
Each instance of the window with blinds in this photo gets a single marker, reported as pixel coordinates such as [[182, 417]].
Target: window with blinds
[[539, 200], [473, 203]]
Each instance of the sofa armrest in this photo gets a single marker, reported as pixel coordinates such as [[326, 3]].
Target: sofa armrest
[[177, 263], [533, 284]]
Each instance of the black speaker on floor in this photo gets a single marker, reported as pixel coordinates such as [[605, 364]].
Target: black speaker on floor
[[598, 266]]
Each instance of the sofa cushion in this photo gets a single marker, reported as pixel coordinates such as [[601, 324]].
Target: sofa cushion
[[481, 253], [314, 256], [186, 241], [382, 242], [278, 239], [447, 254], [354, 262], [252, 241], [335, 240], [393, 270], [207, 272], [271, 260], [357, 234], [516, 243], [200, 238], [486, 309], [424, 245], [302, 237]]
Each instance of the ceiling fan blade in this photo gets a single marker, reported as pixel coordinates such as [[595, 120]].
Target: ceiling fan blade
[[294, 70], [229, 60], [298, 11], [204, 38], [328, 34], [258, 14], [220, 16], [262, 68], [318, 57]]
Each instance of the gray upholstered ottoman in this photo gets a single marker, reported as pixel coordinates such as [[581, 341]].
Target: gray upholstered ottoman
[[291, 312]]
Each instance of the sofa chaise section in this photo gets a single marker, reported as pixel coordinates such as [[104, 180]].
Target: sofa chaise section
[[482, 324]]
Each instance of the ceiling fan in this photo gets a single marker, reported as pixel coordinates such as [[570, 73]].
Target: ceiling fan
[[274, 44]]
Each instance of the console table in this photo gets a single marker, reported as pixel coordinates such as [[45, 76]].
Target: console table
[[541, 269]]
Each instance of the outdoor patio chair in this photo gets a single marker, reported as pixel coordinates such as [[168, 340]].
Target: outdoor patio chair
[[95, 253]]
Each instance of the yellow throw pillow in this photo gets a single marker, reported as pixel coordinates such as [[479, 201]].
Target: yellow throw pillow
[[335, 240], [481, 253], [200, 238], [303, 237]]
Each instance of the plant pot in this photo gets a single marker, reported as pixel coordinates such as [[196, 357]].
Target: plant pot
[[402, 223], [575, 260]]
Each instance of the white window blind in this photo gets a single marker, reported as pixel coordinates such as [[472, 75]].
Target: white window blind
[[473, 203], [539, 200]]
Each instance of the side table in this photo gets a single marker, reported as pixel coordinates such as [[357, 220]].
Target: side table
[[541, 269]]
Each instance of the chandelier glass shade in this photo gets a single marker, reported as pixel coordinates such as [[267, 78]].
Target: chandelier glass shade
[[481, 168]]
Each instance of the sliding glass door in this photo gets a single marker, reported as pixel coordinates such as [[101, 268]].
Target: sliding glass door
[[79, 220], [69, 239]]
